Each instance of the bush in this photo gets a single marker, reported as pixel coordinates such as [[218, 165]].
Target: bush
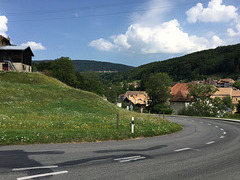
[[162, 109]]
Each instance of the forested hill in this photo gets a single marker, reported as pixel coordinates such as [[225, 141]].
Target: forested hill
[[89, 65], [223, 61]]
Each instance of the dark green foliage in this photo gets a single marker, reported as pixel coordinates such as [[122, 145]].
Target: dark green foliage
[[87, 65], [162, 109], [203, 104], [237, 84], [157, 88], [202, 92], [238, 107], [195, 66], [63, 70], [90, 81]]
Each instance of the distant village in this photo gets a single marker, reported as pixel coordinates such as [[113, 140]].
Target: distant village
[[180, 93]]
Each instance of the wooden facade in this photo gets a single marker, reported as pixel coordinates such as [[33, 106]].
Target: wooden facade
[[14, 58], [19, 57]]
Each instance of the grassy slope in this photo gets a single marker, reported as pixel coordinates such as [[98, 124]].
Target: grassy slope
[[38, 109]]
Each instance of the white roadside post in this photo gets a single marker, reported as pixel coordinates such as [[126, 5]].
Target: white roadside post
[[132, 129]]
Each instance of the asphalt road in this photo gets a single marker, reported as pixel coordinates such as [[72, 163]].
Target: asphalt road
[[205, 149]]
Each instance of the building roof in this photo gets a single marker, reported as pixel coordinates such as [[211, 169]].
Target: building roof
[[137, 97], [227, 80], [224, 92], [236, 93], [2, 38], [16, 48], [180, 92]]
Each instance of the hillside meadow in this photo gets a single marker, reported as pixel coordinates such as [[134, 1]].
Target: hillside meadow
[[35, 108]]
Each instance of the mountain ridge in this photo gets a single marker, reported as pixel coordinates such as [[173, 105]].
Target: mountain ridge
[[194, 66], [93, 65]]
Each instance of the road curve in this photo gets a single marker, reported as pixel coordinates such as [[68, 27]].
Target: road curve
[[204, 149]]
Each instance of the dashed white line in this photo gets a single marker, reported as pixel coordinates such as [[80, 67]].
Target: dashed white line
[[134, 159], [31, 168], [209, 124], [211, 142], [224, 133], [216, 126], [201, 122], [131, 158], [42, 175], [222, 129], [183, 149], [222, 137]]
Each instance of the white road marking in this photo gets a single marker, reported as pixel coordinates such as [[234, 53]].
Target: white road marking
[[216, 126], [222, 129], [211, 142], [224, 133], [183, 149], [201, 122], [130, 158], [134, 159], [42, 175], [209, 124], [31, 168], [222, 137]]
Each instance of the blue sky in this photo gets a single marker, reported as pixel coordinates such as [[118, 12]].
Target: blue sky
[[131, 32]]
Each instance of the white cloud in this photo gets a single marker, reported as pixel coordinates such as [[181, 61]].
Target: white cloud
[[34, 46], [215, 12], [164, 38], [102, 44], [142, 37], [231, 32], [157, 9], [3, 25]]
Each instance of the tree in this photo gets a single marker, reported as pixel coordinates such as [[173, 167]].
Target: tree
[[93, 83], [158, 88], [202, 92], [203, 104], [237, 84], [238, 107], [63, 70]]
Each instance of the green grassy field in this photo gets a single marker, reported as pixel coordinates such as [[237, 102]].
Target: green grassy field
[[36, 109]]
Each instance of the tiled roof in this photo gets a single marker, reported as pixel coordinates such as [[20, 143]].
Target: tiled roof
[[179, 92], [137, 97], [236, 93], [223, 92], [227, 80]]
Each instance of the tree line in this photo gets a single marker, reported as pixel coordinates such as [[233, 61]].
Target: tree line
[[223, 61]]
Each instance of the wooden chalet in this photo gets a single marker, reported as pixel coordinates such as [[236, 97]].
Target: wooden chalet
[[14, 58]]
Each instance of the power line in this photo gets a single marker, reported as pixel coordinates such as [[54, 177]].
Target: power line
[[95, 15], [75, 9]]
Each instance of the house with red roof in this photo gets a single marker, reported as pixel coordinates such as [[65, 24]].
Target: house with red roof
[[136, 98], [180, 97]]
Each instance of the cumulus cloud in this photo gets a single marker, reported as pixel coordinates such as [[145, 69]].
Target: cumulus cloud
[[231, 32], [215, 12], [33, 45], [102, 44], [3, 25], [153, 38], [164, 38]]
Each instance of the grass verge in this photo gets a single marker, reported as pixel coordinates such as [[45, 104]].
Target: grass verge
[[38, 109]]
